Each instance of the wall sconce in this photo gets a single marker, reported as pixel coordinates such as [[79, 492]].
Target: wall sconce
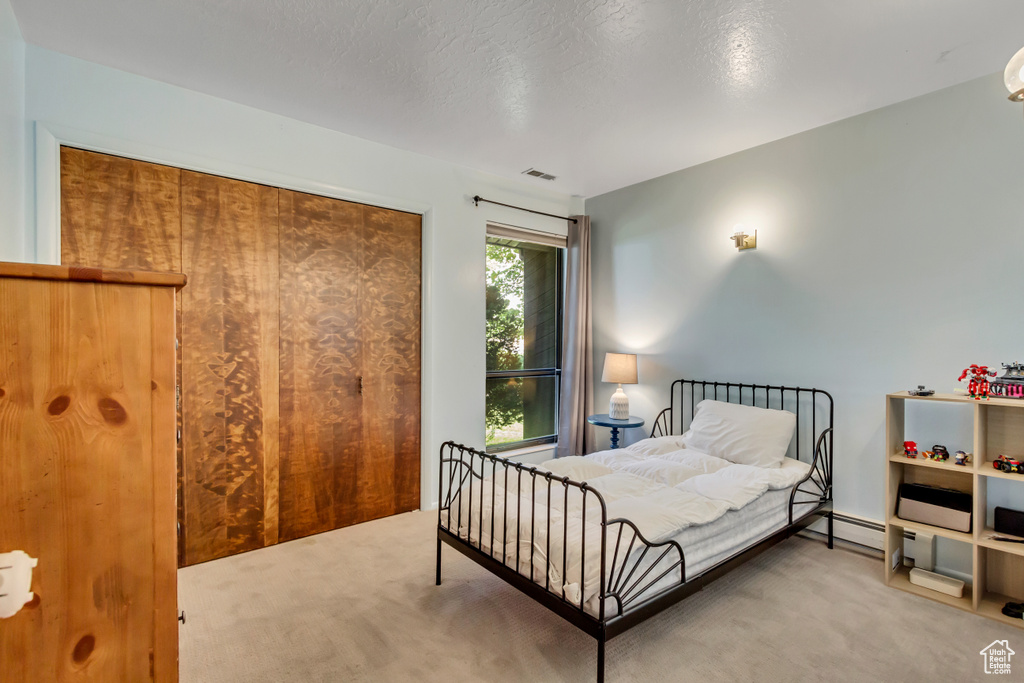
[[1013, 77], [743, 240]]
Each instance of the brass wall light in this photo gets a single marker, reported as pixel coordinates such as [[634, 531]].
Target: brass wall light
[[743, 240], [1013, 77]]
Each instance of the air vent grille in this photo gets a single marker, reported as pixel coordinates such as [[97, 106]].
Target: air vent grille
[[538, 174]]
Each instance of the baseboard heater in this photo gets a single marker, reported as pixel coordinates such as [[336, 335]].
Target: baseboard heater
[[868, 525], [857, 521]]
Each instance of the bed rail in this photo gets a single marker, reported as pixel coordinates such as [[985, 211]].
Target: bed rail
[[520, 516]]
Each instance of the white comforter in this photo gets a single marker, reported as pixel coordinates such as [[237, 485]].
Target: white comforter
[[657, 484]]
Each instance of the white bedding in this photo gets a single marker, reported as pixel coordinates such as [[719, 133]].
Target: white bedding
[[711, 507]]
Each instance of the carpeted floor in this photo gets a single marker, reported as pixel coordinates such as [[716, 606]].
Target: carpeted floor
[[360, 604]]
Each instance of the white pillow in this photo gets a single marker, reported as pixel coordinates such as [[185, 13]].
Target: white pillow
[[741, 434]]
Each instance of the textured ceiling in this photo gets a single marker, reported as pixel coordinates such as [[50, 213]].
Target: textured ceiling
[[601, 93]]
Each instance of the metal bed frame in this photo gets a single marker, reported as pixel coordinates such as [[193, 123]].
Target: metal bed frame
[[625, 597]]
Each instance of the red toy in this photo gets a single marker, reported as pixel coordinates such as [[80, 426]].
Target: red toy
[[978, 386], [910, 449]]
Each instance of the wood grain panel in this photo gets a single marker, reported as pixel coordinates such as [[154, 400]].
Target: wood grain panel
[[80, 381], [321, 362], [389, 465], [229, 366], [119, 213]]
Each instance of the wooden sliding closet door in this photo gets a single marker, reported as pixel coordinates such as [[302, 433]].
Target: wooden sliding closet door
[[321, 363], [350, 359], [122, 213], [229, 366], [390, 298]]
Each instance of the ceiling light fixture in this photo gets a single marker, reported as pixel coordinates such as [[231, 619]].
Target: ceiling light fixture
[[1013, 77]]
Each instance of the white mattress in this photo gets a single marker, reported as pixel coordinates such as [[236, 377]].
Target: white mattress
[[706, 545]]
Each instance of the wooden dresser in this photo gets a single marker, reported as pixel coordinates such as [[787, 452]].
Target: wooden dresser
[[87, 471]]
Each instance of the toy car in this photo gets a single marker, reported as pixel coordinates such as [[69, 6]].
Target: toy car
[[940, 453], [910, 449], [1008, 464]]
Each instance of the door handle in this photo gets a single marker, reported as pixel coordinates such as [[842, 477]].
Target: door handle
[[360, 385]]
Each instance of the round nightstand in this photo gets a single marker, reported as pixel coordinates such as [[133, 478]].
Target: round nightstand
[[603, 420]]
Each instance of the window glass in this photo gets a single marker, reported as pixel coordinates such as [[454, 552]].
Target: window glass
[[524, 293]]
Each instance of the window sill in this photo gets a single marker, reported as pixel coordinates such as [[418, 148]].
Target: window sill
[[526, 451]]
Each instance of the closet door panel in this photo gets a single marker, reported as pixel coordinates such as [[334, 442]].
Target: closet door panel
[[390, 303], [119, 213], [230, 325], [321, 364], [124, 214]]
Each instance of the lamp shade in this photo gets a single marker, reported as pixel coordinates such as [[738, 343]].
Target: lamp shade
[[1013, 77], [619, 368]]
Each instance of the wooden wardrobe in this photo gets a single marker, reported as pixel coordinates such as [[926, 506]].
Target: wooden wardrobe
[[87, 475], [300, 344]]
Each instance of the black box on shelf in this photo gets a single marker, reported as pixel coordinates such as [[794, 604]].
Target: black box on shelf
[[1009, 522], [945, 508]]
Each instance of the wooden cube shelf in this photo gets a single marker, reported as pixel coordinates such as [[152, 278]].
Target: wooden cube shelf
[[997, 566]]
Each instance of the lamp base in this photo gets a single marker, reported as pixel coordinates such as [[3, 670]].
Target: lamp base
[[618, 408]]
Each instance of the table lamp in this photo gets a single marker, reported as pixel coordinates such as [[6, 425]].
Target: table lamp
[[619, 368]]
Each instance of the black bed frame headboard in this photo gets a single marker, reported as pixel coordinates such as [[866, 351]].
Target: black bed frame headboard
[[814, 409]]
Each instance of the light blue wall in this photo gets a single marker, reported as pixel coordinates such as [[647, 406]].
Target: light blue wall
[[13, 134], [890, 254]]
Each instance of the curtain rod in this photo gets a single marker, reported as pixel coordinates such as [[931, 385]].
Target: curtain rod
[[477, 199]]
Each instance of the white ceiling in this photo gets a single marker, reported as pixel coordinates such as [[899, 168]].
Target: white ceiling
[[601, 93]]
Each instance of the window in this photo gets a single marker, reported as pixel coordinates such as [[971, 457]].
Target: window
[[524, 337]]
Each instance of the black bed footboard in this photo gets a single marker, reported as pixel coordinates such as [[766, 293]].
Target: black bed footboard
[[552, 533]]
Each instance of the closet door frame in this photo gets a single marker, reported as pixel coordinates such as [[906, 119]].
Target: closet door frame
[[49, 138]]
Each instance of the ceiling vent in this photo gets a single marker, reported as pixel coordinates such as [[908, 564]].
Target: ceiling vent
[[538, 174]]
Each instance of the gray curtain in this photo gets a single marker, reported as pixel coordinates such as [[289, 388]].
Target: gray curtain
[[576, 397]]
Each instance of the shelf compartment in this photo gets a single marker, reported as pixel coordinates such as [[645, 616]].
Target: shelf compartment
[[901, 579], [935, 464], [929, 529], [991, 606], [1002, 546], [987, 470]]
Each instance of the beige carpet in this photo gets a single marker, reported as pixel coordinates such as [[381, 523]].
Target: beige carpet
[[359, 604]]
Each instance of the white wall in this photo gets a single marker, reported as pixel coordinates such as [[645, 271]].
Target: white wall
[[12, 137], [111, 110], [890, 254]]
